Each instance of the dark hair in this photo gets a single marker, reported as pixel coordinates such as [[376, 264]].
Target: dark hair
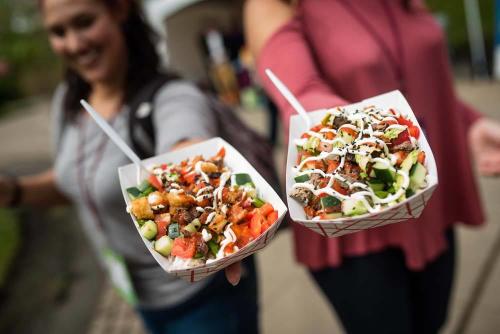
[[143, 61]]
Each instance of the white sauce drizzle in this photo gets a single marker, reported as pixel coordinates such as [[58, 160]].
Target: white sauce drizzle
[[374, 115], [198, 170]]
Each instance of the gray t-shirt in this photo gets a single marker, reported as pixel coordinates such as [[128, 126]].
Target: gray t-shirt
[[180, 111]]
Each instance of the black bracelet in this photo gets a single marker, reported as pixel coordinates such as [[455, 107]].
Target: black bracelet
[[17, 193]]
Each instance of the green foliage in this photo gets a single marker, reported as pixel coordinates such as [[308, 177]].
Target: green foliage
[[24, 46], [9, 241], [455, 14]]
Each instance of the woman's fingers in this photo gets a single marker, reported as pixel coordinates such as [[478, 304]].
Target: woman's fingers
[[233, 273]]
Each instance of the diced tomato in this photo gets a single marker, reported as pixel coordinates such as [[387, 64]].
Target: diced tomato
[[337, 186], [302, 155], [184, 247], [414, 131], [320, 164], [404, 136], [266, 209], [323, 182], [305, 136], [250, 215], [421, 157], [400, 156], [161, 226], [256, 224], [329, 135], [185, 170], [163, 166], [272, 217], [317, 128], [404, 121], [332, 165], [221, 154], [349, 131], [190, 177], [310, 212], [155, 182], [315, 164], [243, 235], [229, 249]]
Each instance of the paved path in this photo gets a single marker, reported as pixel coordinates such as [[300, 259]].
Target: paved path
[[290, 301]]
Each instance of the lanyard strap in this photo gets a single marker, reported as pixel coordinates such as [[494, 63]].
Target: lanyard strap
[[397, 61], [86, 184]]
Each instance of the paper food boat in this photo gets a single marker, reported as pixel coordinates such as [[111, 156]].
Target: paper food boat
[[238, 164], [410, 208]]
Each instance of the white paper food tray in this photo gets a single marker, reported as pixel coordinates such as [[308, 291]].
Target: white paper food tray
[[410, 208], [238, 164]]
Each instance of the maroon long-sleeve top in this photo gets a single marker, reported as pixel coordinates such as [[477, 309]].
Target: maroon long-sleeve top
[[339, 51]]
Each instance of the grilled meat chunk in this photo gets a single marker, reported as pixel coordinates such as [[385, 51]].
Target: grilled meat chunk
[[302, 195]]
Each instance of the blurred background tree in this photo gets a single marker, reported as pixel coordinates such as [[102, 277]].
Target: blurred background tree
[[453, 15], [29, 65]]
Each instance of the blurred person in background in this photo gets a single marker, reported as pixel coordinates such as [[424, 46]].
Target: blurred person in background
[[110, 56], [396, 278]]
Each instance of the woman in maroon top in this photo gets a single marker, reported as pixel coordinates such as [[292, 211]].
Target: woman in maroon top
[[395, 278]]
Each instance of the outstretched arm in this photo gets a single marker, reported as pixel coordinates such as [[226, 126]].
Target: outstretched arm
[[35, 190], [275, 35]]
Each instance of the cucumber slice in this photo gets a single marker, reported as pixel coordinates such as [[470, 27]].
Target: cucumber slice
[[194, 226], [381, 194], [384, 173], [190, 228], [417, 176], [173, 230], [257, 202], [353, 207], [376, 185], [302, 178], [346, 137], [144, 186], [410, 159], [148, 191], [164, 245], [329, 201], [241, 179], [149, 230], [409, 193], [399, 182], [141, 221], [198, 255], [214, 247], [134, 193], [196, 223], [311, 144]]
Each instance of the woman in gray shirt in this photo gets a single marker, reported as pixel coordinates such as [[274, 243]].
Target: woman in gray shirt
[[110, 57]]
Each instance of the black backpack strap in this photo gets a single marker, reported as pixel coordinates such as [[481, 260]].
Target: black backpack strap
[[141, 127]]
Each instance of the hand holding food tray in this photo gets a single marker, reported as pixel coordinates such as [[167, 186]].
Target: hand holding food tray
[[202, 208], [360, 166]]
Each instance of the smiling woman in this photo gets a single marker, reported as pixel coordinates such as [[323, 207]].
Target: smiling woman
[[103, 44]]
